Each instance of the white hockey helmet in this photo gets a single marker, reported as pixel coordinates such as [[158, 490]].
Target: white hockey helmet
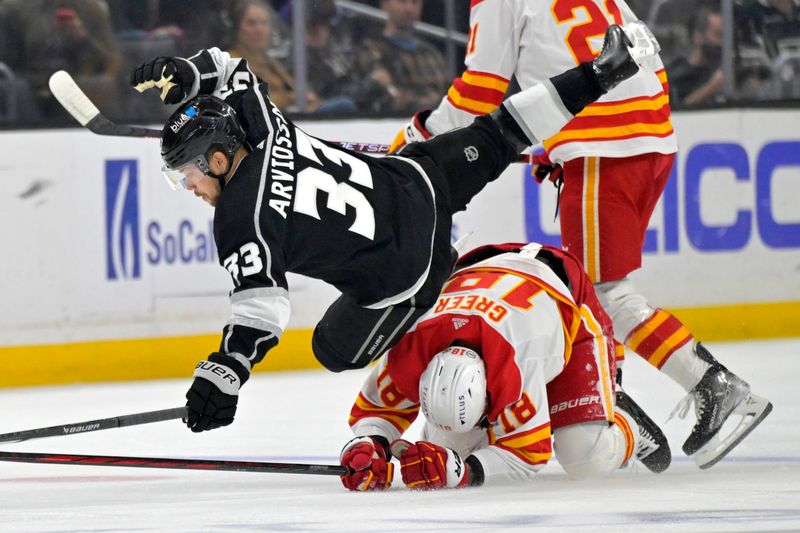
[[452, 390]]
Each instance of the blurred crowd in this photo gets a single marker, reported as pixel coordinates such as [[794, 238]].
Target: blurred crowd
[[365, 61]]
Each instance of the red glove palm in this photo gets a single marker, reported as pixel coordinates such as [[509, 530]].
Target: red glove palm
[[428, 466], [368, 468], [543, 169]]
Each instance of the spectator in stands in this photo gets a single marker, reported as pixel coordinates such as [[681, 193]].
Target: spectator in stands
[[697, 79], [329, 50], [765, 22], [680, 11], [252, 36], [196, 24], [671, 22], [398, 71], [42, 36]]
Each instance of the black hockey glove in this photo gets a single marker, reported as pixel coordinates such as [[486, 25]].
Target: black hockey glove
[[212, 398], [615, 63], [175, 77]]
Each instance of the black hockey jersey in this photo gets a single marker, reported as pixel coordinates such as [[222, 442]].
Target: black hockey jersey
[[357, 222], [298, 204]]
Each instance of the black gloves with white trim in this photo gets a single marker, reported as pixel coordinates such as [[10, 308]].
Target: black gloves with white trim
[[212, 398], [175, 77]]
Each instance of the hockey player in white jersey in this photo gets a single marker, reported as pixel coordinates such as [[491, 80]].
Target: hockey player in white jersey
[[516, 349], [377, 229], [611, 164]]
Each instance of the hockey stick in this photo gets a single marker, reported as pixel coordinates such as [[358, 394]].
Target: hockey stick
[[180, 464], [96, 425], [77, 104]]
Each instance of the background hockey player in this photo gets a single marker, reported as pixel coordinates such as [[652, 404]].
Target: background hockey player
[[516, 348], [613, 159], [378, 229]]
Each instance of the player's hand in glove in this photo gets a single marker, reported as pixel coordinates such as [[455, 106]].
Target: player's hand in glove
[[212, 398], [175, 77], [368, 463], [427, 466], [412, 132], [544, 169]]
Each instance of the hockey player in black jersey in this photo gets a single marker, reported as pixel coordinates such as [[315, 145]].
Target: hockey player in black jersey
[[378, 229]]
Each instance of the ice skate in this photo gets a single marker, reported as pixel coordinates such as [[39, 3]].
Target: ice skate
[[652, 448], [722, 399]]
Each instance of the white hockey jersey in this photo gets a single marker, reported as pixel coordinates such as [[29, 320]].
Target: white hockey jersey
[[523, 320], [533, 41]]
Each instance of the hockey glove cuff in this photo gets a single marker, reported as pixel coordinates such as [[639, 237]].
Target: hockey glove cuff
[[412, 132], [368, 462], [544, 169], [212, 398], [428, 466]]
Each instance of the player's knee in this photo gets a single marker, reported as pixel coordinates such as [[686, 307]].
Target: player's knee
[[626, 306], [331, 358], [587, 450]]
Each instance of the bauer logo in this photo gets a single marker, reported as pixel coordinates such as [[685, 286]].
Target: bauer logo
[[122, 220]]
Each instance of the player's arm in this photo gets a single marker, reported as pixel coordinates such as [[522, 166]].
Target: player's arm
[[209, 72], [380, 408], [380, 414], [522, 437], [257, 114], [521, 445], [259, 314], [490, 60], [258, 318]]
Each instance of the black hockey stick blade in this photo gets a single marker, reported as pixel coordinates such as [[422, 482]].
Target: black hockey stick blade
[[77, 104], [96, 425], [180, 464], [102, 126]]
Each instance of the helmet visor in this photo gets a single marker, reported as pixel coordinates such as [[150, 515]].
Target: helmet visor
[[177, 178]]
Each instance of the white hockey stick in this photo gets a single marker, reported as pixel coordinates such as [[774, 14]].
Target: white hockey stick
[[77, 104]]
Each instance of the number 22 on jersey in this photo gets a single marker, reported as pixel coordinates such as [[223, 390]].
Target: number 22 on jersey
[[588, 20]]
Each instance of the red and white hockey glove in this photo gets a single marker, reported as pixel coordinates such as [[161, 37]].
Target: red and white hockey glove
[[368, 466], [428, 466], [544, 169], [412, 132]]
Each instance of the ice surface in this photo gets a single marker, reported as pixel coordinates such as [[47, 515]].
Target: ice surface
[[301, 417]]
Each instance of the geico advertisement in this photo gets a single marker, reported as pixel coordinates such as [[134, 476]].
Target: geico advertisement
[[727, 227], [98, 246]]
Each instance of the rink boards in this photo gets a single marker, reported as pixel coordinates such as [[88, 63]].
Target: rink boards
[[109, 275]]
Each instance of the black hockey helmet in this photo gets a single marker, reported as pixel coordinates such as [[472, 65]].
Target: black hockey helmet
[[199, 126]]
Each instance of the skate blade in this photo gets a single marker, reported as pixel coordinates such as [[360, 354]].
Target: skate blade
[[752, 411]]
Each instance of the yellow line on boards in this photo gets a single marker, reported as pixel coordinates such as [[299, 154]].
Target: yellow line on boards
[[175, 357], [136, 359]]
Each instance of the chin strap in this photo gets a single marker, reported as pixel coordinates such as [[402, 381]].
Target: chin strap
[[221, 177]]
